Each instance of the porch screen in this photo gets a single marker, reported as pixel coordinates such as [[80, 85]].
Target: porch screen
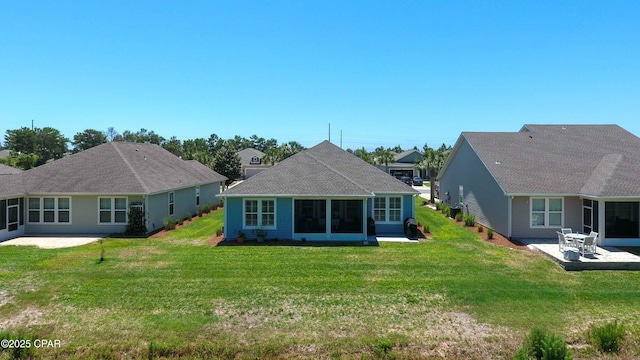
[[622, 220], [346, 216]]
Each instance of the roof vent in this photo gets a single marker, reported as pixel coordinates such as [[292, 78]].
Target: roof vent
[[497, 162], [564, 128]]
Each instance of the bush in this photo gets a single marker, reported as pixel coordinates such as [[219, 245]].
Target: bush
[[446, 209], [426, 229], [438, 206], [219, 232], [469, 220], [480, 228], [169, 223], [180, 221], [200, 210], [189, 216], [136, 225], [541, 345], [608, 338], [459, 217], [490, 234]]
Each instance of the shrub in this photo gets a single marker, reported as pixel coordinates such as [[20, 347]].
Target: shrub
[[180, 221], [541, 345], [480, 229], [426, 229], [189, 216], [459, 217], [169, 223], [469, 220], [219, 232], [446, 209], [490, 234], [200, 210], [136, 225], [608, 338], [438, 206]]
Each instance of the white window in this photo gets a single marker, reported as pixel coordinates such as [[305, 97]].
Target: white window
[[51, 210], [197, 195], [259, 213], [387, 209], [112, 210], [171, 203], [546, 212]]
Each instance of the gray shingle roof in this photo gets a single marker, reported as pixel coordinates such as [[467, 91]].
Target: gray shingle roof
[[323, 170], [598, 160], [8, 170], [115, 168], [247, 154]]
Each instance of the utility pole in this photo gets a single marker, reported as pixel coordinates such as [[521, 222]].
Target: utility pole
[[329, 132], [31, 124]]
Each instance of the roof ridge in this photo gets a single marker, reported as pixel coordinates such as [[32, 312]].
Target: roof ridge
[[133, 170], [338, 172]]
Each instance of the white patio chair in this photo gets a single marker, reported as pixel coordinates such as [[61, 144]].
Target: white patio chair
[[595, 235], [588, 246], [566, 241], [560, 241]]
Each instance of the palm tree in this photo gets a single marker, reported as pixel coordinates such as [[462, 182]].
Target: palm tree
[[432, 161], [384, 156]]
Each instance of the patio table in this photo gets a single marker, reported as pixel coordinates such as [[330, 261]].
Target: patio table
[[576, 236]]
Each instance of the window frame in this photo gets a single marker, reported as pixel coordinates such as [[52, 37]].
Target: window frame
[[112, 210], [56, 210], [259, 211], [388, 209], [171, 203], [546, 212], [197, 195]]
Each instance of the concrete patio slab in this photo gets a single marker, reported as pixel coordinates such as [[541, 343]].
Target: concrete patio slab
[[52, 242], [398, 239], [605, 258]]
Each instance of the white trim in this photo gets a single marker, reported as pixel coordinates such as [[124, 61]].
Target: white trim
[[41, 210], [259, 213], [112, 210], [547, 212], [197, 198], [171, 203], [387, 209]]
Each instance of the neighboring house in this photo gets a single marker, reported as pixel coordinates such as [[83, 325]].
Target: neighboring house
[[5, 153], [251, 162], [404, 164], [91, 192], [323, 193], [529, 184]]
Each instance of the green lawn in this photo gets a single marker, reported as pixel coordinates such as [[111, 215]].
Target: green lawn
[[454, 296]]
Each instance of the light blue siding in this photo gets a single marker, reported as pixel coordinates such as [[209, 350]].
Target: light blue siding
[[284, 218]]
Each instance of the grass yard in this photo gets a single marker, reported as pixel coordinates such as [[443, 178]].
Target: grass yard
[[454, 296]]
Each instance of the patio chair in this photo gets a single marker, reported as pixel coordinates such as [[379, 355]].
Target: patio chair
[[588, 246], [564, 242], [595, 235], [566, 230]]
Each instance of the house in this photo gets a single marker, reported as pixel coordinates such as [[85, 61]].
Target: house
[[92, 192], [404, 164], [251, 162], [5, 153], [322, 193], [529, 184]]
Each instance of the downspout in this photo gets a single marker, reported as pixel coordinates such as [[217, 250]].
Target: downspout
[[509, 216]]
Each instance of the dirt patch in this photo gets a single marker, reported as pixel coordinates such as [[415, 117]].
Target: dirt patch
[[27, 317]]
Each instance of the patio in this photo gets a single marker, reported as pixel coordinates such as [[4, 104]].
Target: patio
[[605, 258]]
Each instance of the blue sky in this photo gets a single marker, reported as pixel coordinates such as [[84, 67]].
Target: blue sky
[[382, 72]]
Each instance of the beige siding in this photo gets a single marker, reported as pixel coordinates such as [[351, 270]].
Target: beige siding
[[522, 222]]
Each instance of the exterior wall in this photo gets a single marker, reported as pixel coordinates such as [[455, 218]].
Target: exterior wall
[[208, 194], [483, 196], [5, 234], [251, 171], [521, 210], [408, 208], [84, 218], [156, 210], [233, 219]]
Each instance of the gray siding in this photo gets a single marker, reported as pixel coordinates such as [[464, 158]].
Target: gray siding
[[84, 218], [522, 222], [482, 195]]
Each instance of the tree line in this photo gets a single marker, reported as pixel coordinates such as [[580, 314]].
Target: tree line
[[31, 147]]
